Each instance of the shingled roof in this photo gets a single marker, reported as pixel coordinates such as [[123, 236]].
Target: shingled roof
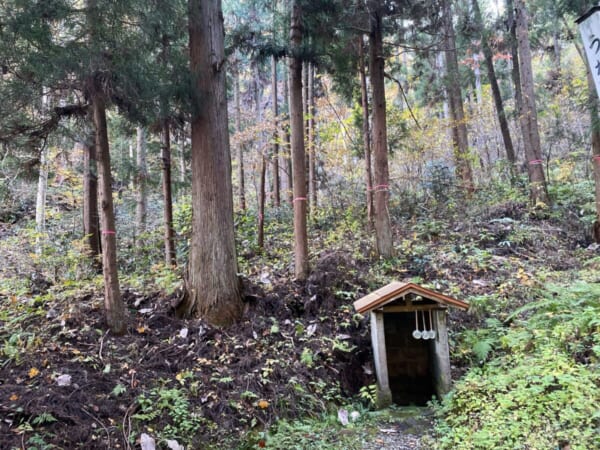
[[396, 289]]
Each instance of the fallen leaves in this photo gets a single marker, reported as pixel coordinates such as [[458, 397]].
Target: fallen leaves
[[33, 372]]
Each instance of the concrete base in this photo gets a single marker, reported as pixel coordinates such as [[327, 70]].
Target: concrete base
[[384, 394], [442, 379]]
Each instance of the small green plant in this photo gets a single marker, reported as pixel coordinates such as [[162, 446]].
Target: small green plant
[[172, 406], [37, 442], [539, 383], [369, 394], [118, 390], [307, 357], [43, 418]]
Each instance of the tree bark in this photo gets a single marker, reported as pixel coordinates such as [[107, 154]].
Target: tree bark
[[40, 203], [297, 146], [307, 146], [260, 240], [275, 156], [165, 150], [489, 63], [169, 232], [260, 225], [113, 304], [312, 140], [91, 225], [383, 229], [213, 287], [514, 51], [141, 182], [181, 139], [42, 188], [366, 130], [529, 124], [457, 115], [116, 318], [287, 140]]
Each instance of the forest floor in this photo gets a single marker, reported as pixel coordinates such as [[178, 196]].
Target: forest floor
[[299, 349]]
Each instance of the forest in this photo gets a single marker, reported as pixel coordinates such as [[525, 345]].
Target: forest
[[197, 198]]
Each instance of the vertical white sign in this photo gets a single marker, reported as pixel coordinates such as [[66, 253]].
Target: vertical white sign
[[589, 27]]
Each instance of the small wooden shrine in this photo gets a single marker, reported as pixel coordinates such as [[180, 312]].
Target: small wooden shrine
[[410, 341]]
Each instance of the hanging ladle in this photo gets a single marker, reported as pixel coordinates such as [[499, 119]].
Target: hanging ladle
[[417, 334], [425, 334], [431, 332]]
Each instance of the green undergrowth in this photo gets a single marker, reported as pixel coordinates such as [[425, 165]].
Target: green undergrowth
[[537, 382], [326, 431]]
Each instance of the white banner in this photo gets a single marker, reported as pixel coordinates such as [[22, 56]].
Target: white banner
[[589, 27]]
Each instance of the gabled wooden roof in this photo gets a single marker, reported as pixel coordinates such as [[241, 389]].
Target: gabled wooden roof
[[396, 289]]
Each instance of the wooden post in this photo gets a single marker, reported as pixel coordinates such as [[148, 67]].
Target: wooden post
[[441, 358], [384, 394]]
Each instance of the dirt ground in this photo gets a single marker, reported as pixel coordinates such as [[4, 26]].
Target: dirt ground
[[258, 357], [65, 381]]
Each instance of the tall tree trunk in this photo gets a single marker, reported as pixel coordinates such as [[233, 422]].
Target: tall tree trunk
[[383, 228], [181, 139], [312, 139], [457, 115], [116, 318], [141, 182], [515, 74], [440, 67], [477, 73], [113, 303], [240, 147], [213, 287], [297, 146], [169, 232], [260, 240], [260, 226], [275, 156], [307, 146], [40, 203], [165, 150], [531, 137], [366, 130], [489, 63], [287, 140], [130, 163], [91, 225]]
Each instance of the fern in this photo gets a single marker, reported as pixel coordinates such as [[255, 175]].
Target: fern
[[43, 418], [483, 348]]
